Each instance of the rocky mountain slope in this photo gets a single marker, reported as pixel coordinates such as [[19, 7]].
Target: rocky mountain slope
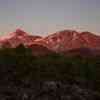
[[59, 42]]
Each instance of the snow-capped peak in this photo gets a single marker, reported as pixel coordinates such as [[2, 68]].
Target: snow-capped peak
[[17, 33], [58, 42]]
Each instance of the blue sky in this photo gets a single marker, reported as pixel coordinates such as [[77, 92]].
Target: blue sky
[[48, 16]]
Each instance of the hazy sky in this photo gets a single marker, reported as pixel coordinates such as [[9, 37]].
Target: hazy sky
[[47, 16]]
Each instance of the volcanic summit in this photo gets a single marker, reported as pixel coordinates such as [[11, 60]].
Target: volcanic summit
[[62, 41]]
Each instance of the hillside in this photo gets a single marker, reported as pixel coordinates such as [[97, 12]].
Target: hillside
[[52, 77], [59, 42], [62, 66]]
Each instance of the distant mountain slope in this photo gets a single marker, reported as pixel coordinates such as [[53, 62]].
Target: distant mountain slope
[[58, 42], [40, 50], [68, 39], [16, 38]]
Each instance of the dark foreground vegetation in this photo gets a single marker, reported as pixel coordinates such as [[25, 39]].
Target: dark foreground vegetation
[[51, 77]]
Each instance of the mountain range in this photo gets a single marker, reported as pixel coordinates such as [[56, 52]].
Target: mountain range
[[66, 42]]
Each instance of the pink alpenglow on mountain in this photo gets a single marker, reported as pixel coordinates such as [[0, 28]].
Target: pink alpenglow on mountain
[[69, 39], [16, 38], [63, 41]]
